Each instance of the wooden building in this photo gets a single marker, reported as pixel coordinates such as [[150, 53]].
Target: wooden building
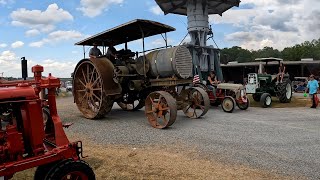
[[236, 72]]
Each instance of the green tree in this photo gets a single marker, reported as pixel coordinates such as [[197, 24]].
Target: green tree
[[266, 52], [235, 54], [306, 49]]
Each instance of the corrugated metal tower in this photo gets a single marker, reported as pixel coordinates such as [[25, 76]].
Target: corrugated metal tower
[[205, 58]]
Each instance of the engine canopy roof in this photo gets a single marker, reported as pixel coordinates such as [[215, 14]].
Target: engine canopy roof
[[130, 31]]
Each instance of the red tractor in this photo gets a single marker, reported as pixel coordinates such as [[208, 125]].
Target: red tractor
[[228, 96], [32, 135]]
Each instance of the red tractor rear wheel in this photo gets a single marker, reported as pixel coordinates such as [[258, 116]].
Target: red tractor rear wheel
[[71, 170], [243, 105], [41, 171]]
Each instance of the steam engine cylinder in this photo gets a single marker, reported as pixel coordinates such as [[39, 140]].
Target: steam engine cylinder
[[176, 61]]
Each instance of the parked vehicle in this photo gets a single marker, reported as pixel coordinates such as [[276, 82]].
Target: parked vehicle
[[68, 86], [300, 84], [263, 86]]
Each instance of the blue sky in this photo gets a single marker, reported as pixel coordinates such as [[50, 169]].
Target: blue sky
[[45, 31]]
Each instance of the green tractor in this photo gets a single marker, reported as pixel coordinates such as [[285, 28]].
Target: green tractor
[[263, 86]]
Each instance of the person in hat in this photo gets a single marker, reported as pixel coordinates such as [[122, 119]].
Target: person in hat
[[111, 52], [95, 51], [313, 87]]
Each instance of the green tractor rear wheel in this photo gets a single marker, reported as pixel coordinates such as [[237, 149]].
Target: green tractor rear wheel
[[284, 91]]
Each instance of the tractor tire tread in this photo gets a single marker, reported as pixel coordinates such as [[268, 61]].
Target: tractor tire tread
[[282, 92], [62, 169]]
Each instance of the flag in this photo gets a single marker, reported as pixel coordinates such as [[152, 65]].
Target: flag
[[196, 79]]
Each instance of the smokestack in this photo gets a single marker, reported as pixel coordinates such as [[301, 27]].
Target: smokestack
[[24, 68]]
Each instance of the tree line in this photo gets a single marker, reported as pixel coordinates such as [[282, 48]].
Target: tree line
[[295, 53]]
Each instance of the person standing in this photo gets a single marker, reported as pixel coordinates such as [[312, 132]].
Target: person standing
[[313, 87], [95, 51]]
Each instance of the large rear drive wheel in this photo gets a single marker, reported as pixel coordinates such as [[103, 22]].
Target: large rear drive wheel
[[284, 91], [199, 103], [228, 104], [41, 171], [88, 91], [161, 109], [72, 170], [266, 100], [244, 105]]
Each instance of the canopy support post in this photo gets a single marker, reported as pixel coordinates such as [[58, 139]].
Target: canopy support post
[[165, 35], [103, 48], [84, 52], [143, 50]]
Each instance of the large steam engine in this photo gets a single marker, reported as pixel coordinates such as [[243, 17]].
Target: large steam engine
[[32, 135], [158, 80]]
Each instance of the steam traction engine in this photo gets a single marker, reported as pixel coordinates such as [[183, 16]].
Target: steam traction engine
[[31, 137], [158, 80]]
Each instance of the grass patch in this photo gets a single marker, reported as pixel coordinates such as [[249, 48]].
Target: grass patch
[[158, 162], [295, 102]]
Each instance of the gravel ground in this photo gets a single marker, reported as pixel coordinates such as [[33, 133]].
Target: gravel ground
[[282, 140]]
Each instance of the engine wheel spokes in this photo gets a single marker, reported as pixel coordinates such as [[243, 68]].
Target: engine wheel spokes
[[199, 103], [161, 109], [88, 91]]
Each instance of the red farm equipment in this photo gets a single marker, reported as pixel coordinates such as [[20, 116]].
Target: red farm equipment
[[228, 96], [32, 135]]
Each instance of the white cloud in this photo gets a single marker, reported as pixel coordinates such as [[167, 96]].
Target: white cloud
[[5, 2], [156, 10], [58, 69], [3, 45], [10, 65], [32, 32], [93, 8], [7, 56], [41, 20], [17, 44], [58, 36], [48, 61], [275, 23], [36, 44], [160, 42], [64, 35]]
